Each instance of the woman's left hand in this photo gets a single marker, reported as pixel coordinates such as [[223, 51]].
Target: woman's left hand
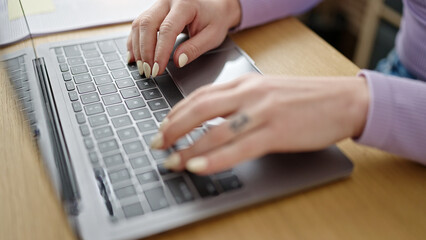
[[264, 114]]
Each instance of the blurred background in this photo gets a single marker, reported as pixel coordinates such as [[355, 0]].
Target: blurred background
[[363, 30]]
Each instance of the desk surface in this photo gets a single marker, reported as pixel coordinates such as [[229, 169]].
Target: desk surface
[[383, 199]]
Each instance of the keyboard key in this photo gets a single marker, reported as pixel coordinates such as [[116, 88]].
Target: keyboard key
[[121, 73], [163, 171], [91, 54], [85, 131], [93, 109], [147, 177], [133, 147], [136, 75], [115, 65], [146, 126], [70, 86], [132, 67], [107, 89], [66, 76], [106, 46], [160, 154], [123, 83], [151, 94], [196, 134], [79, 69], [95, 62], [98, 70], [111, 99], [145, 84], [88, 142], [111, 57], [73, 95], [156, 198], [103, 132], [127, 133], [116, 110], [133, 210], [180, 190], [148, 138], [129, 92], [98, 120], [93, 157], [75, 61], [135, 103], [80, 118], [82, 78], [119, 176], [204, 185], [76, 106], [90, 98], [123, 121], [182, 143], [61, 59], [121, 44], [113, 160], [125, 192], [85, 88], [108, 145], [230, 183], [160, 115], [103, 79], [64, 67], [72, 51], [157, 104], [140, 114], [139, 162], [88, 46]]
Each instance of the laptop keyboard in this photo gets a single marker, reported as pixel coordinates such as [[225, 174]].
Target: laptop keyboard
[[18, 76], [118, 112]]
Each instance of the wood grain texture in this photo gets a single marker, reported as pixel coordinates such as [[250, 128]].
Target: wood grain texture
[[383, 199]]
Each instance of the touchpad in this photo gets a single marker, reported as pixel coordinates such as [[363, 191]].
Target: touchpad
[[215, 67]]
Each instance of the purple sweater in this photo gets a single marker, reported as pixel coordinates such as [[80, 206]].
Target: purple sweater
[[396, 120]]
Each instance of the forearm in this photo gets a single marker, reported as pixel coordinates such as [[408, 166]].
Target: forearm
[[256, 12], [396, 120]]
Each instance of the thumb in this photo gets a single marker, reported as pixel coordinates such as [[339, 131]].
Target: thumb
[[200, 43]]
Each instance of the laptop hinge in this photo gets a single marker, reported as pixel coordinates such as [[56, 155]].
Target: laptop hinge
[[69, 190]]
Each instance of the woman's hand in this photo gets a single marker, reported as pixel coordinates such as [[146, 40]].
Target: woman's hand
[[264, 114], [206, 21]]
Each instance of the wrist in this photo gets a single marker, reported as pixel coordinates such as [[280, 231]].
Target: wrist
[[361, 100], [233, 10]]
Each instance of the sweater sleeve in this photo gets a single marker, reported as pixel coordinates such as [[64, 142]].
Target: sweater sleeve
[[257, 12], [396, 120]]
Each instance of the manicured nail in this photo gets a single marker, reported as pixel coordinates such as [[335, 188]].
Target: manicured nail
[[128, 57], [163, 123], [173, 161], [197, 164], [147, 69], [155, 69], [140, 67], [157, 141], [183, 59]]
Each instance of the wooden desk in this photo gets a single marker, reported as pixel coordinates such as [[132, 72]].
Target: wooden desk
[[383, 199]]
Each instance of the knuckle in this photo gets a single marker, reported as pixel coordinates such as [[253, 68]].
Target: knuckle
[[145, 22], [167, 27], [192, 50]]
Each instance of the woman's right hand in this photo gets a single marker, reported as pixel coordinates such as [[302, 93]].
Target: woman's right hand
[[206, 21]]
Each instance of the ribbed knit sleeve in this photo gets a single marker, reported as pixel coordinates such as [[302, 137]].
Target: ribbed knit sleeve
[[396, 120], [256, 12]]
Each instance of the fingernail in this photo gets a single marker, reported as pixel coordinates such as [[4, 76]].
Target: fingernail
[[157, 141], [163, 123], [140, 67], [155, 69], [128, 57], [173, 161], [197, 164], [147, 69], [183, 59]]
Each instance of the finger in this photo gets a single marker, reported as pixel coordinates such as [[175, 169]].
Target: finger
[[130, 57], [174, 23], [148, 26], [207, 39], [216, 137], [247, 146], [201, 92]]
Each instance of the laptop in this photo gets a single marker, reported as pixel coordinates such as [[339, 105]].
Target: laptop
[[93, 116]]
